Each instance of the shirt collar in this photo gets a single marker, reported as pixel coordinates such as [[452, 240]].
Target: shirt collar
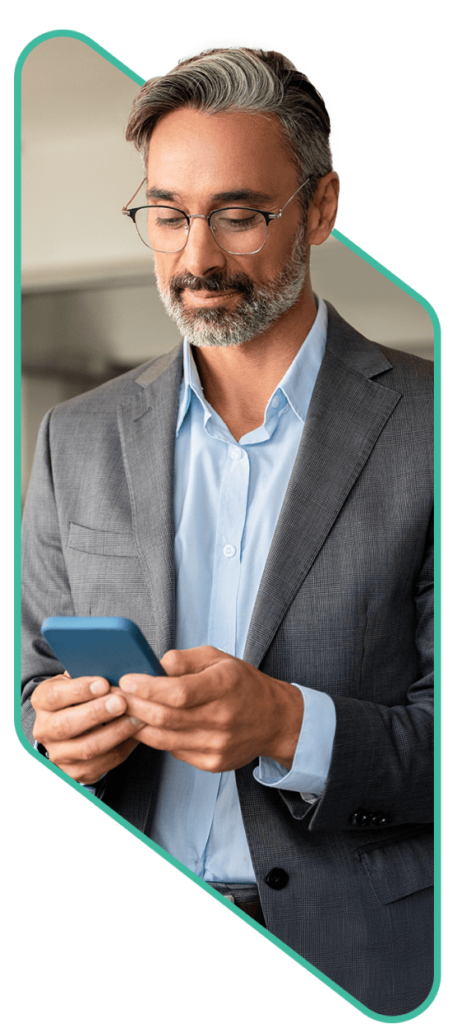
[[297, 383], [191, 382]]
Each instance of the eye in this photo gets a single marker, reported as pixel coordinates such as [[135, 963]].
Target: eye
[[237, 220], [166, 218]]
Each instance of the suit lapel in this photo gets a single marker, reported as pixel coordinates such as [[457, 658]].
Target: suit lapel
[[346, 415], [147, 427]]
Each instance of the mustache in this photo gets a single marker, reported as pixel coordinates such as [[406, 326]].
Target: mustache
[[213, 283]]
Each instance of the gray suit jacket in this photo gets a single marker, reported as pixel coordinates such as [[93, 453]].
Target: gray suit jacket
[[344, 606]]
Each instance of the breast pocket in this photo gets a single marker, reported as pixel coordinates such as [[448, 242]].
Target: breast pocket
[[105, 575], [101, 542], [399, 867]]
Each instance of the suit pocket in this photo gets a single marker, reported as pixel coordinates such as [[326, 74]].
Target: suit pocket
[[105, 575], [397, 868], [101, 542]]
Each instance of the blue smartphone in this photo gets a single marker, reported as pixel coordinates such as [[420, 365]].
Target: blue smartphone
[[100, 646]]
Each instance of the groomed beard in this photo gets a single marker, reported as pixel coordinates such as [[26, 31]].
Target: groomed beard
[[258, 308]]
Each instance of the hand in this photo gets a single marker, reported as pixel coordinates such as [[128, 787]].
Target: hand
[[216, 712], [83, 725]]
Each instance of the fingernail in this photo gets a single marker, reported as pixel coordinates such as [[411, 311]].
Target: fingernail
[[128, 684], [114, 704], [98, 686], [136, 721]]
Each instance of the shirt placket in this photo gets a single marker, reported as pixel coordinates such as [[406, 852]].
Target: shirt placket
[[231, 517]]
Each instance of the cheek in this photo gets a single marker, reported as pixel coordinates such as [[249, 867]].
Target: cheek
[[162, 275]]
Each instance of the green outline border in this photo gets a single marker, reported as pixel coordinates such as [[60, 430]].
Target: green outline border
[[443, 801]]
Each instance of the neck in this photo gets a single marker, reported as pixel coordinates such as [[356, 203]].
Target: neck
[[239, 380]]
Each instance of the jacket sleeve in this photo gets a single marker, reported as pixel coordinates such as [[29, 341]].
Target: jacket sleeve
[[382, 758], [45, 584]]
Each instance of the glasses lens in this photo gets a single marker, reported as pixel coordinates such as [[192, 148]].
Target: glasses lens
[[239, 231], [162, 228]]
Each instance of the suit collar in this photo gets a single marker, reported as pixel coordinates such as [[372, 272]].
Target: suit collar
[[353, 350], [151, 372]]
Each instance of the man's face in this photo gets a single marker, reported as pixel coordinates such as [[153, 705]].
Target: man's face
[[199, 163]]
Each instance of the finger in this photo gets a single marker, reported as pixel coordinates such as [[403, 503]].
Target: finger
[[90, 772], [92, 745], [62, 692], [195, 741], [186, 691], [74, 721], [194, 659], [199, 755], [161, 715]]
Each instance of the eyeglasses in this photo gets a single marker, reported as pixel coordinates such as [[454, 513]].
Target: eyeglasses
[[236, 229]]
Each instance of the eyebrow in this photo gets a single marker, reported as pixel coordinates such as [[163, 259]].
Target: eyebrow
[[237, 195]]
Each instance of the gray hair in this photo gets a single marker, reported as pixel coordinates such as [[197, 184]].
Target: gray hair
[[241, 79]]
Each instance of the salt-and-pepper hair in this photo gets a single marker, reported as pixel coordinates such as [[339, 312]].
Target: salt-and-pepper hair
[[241, 79]]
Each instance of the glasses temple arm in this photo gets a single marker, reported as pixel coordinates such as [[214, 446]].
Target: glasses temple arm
[[292, 197], [125, 208]]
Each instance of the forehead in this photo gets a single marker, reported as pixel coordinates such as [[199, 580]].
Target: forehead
[[192, 152]]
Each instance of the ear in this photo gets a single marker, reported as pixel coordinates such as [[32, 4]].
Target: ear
[[323, 209]]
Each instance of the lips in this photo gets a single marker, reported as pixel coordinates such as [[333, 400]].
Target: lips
[[210, 288], [204, 296]]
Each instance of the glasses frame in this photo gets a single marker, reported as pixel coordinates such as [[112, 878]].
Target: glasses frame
[[268, 215]]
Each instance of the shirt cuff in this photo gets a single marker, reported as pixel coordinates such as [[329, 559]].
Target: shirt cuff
[[41, 749], [313, 753]]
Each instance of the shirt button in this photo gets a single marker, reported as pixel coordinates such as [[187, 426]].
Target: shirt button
[[236, 453], [275, 401], [229, 550]]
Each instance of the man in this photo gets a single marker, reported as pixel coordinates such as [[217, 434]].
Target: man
[[259, 500]]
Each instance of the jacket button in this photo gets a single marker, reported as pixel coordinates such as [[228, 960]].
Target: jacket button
[[364, 819], [277, 878], [359, 818]]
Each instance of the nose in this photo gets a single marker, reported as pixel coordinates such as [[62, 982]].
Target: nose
[[202, 254]]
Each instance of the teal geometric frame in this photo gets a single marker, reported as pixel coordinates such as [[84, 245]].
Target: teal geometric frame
[[448, 358]]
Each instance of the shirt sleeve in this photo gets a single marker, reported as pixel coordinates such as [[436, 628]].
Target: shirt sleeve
[[313, 754]]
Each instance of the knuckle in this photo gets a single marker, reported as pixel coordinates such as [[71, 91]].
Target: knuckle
[[86, 749], [222, 715], [78, 775], [219, 743], [161, 717], [37, 730], [78, 772], [95, 713], [215, 763], [59, 727], [181, 696], [44, 695], [172, 661], [232, 670]]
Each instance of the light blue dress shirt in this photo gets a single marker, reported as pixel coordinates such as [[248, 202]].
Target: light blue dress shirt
[[228, 496]]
